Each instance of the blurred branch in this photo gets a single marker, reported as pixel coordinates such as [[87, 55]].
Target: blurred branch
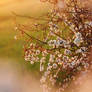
[[33, 18], [21, 30]]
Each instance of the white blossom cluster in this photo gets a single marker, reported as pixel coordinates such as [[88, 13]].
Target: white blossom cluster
[[61, 58]]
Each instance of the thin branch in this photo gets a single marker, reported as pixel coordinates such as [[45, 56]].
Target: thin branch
[[90, 13], [18, 15], [30, 35]]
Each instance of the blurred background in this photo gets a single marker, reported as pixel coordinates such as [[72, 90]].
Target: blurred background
[[10, 48], [16, 75]]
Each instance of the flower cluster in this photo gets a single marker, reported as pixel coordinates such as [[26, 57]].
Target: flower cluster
[[63, 50]]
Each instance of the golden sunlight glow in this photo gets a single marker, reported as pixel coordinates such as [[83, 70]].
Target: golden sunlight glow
[[7, 6]]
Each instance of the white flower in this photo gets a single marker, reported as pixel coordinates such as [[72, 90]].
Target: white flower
[[58, 60], [33, 58], [67, 52], [78, 51], [78, 35], [37, 52], [60, 42], [73, 63], [81, 50], [49, 68], [65, 58], [26, 58], [54, 65], [32, 62], [78, 41], [52, 42]]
